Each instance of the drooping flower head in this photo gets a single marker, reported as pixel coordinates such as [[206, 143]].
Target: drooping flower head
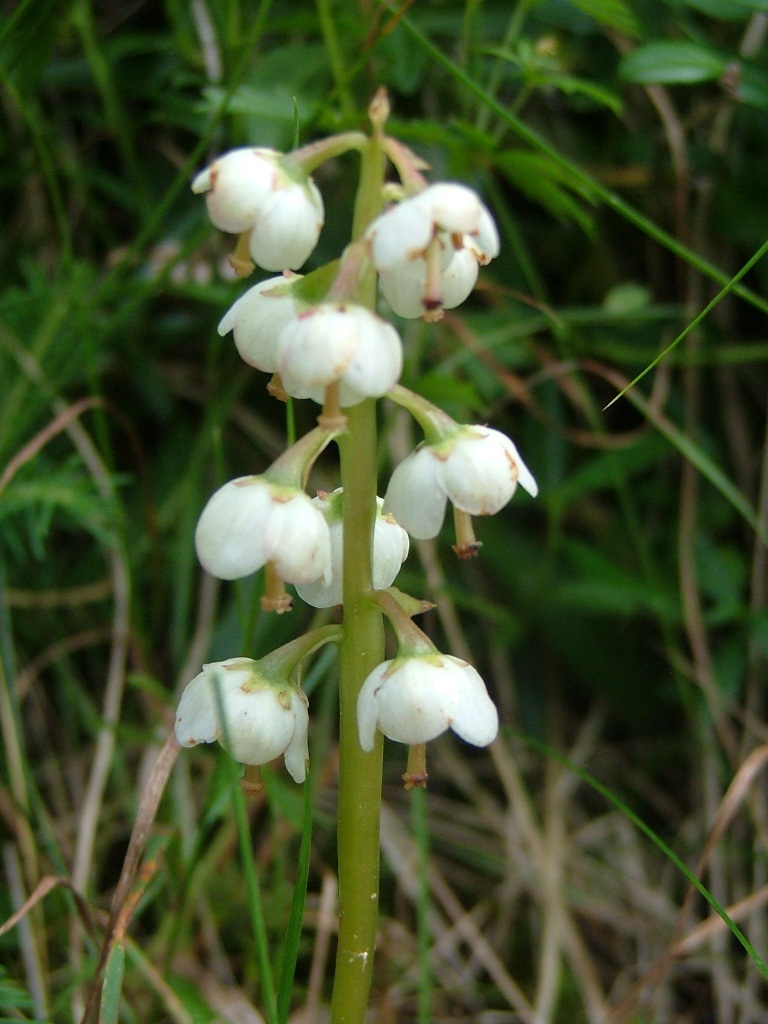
[[253, 717], [266, 194], [255, 709], [268, 520], [251, 521], [416, 696], [477, 469], [413, 699], [339, 341], [428, 247]]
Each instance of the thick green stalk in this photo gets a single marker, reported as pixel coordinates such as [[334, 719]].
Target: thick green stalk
[[361, 650]]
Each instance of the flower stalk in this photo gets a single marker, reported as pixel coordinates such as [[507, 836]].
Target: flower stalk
[[321, 338], [361, 649]]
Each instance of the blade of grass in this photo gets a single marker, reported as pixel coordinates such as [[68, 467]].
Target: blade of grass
[[696, 320], [113, 983], [688, 448]]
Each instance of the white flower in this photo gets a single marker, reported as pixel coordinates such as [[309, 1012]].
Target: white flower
[[416, 698], [427, 248], [261, 719], [251, 521], [405, 285], [255, 190], [256, 320], [390, 549], [477, 469], [339, 341]]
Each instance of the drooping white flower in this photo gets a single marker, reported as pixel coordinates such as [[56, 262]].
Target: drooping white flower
[[259, 191], [476, 468], [415, 698], [256, 320], [339, 341], [405, 285], [390, 549], [251, 521], [256, 719], [415, 246]]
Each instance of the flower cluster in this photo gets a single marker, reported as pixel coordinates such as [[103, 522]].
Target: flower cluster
[[319, 340]]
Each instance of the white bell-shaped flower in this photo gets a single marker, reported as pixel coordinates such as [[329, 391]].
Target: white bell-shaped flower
[[256, 320], [390, 549], [405, 285], [257, 191], [414, 246], [476, 468], [251, 521], [256, 719], [339, 341], [413, 699]]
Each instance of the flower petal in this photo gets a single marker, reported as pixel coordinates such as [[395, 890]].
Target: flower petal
[[458, 279], [399, 234], [297, 751], [474, 716], [228, 537], [316, 348], [287, 228], [411, 701], [414, 496], [237, 186], [256, 320], [366, 706], [478, 474], [403, 287], [378, 358], [296, 539], [452, 207]]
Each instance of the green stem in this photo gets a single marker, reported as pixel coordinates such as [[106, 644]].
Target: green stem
[[360, 651]]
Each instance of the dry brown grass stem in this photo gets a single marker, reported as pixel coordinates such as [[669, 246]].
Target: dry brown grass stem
[[399, 851]]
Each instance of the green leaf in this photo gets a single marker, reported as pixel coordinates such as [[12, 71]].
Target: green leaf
[[113, 983], [547, 184], [605, 587], [728, 10], [611, 13], [571, 86], [751, 85], [672, 63]]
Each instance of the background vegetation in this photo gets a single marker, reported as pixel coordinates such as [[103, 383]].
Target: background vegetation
[[620, 620]]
